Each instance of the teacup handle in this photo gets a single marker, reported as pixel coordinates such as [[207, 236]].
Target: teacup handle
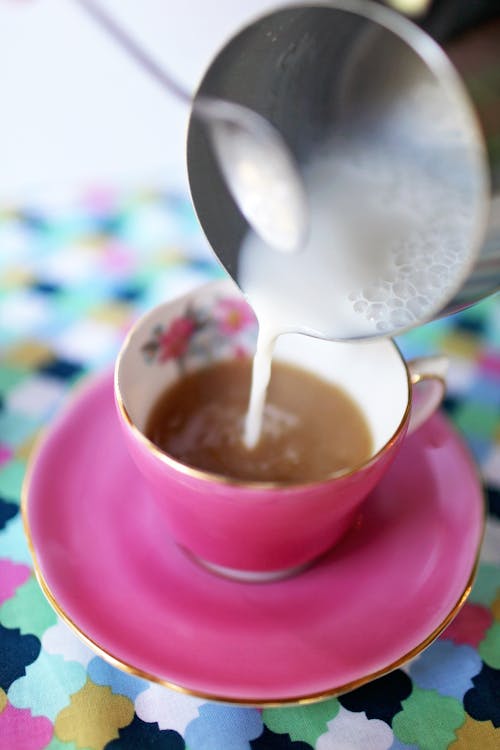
[[428, 380]]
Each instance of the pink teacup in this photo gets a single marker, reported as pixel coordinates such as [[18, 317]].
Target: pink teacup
[[255, 530]]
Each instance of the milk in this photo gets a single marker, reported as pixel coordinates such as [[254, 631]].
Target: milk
[[261, 374], [393, 233]]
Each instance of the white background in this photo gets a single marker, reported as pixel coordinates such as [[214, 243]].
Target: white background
[[75, 110]]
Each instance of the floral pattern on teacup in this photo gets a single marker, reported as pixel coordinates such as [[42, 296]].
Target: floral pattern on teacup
[[227, 328]]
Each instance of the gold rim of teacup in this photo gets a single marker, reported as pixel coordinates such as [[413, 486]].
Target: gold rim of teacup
[[209, 476]]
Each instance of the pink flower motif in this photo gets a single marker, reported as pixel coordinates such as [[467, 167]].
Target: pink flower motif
[[233, 315], [490, 363], [5, 454], [12, 575], [118, 258], [99, 200], [470, 625], [174, 341], [19, 729]]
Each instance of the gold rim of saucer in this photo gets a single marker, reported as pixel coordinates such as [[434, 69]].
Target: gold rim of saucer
[[248, 702]]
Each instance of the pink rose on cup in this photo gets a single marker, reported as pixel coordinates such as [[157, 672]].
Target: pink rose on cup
[[233, 315], [200, 331], [174, 341]]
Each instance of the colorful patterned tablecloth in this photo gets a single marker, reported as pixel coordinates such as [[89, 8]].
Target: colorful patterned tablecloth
[[73, 276]]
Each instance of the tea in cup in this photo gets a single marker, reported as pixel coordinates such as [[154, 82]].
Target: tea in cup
[[336, 414]]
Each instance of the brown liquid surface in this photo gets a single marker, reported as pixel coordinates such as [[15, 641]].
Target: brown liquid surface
[[310, 428]]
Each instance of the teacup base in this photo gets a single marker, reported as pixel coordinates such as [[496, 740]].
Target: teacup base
[[249, 576]]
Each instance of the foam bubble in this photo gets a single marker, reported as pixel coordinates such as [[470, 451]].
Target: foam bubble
[[417, 306], [375, 311], [405, 271], [394, 302], [383, 326], [404, 289], [376, 293], [439, 268], [360, 306], [401, 318]]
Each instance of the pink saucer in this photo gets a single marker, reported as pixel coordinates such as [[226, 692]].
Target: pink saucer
[[378, 598]]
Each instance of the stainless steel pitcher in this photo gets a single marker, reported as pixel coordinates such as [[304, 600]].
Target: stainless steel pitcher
[[315, 69]]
